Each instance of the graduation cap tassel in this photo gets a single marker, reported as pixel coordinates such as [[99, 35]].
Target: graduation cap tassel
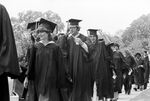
[[67, 27]]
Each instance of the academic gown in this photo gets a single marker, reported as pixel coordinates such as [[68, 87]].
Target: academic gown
[[139, 72], [79, 71], [8, 55], [49, 72], [65, 92], [120, 66], [30, 57], [102, 71], [146, 67], [128, 79]]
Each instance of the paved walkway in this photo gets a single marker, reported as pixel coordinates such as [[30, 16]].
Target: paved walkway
[[136, 95]]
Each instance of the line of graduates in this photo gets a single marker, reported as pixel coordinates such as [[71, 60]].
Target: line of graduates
[[68, 67]]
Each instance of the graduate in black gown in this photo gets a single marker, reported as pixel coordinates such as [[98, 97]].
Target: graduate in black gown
[[100, 67], [120, 66], [49, 69], [128, 75], [77, 58], [8, 55], [147, 69], [139, 72]]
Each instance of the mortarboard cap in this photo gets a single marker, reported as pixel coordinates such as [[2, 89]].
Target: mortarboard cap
[[74, 22], [46, 25], [32, 26], [92, 32]]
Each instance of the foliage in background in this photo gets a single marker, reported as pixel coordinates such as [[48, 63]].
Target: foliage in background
[[136, 37]]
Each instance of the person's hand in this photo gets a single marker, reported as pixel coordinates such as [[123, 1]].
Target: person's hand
[[78, 41], [26, 81], [114, 75], [20, 70], [130, 71]]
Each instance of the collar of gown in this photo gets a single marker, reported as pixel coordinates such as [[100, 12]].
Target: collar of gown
[[45, 44], [75, 35]]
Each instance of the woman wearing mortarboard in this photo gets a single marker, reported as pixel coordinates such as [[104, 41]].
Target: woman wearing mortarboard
[[48, 67], [120, 66], [101, 72], [8, 55]]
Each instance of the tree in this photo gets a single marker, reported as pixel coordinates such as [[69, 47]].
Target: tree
[[136, 36], [139, 29]]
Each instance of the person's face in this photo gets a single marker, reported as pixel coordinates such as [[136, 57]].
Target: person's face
[[112, 48], [92, 38], [116, 48], [138, 56], [145, 54], [43, 35], [126, 53], [73, 30]]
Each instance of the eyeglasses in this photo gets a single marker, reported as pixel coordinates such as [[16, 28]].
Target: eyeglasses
[[42, 31]]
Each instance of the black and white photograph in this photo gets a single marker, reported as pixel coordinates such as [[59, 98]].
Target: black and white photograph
[[74, 50]]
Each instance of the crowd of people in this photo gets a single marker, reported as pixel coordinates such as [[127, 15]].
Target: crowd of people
[[67, 66]]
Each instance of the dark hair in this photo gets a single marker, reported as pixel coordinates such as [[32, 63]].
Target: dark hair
[[32, 38]]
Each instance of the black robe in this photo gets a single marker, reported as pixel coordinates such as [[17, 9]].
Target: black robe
[[79, 71], [120, 66], [102, 71], [139, 72], [30, 57], [65, 92], [49, 72], [129, 79], [8, 55], [147, 68]]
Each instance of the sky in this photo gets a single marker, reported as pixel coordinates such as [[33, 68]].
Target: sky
[[108, 15]]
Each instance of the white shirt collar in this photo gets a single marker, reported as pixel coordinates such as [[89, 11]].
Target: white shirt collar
[[75, 35], [46, 43]]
